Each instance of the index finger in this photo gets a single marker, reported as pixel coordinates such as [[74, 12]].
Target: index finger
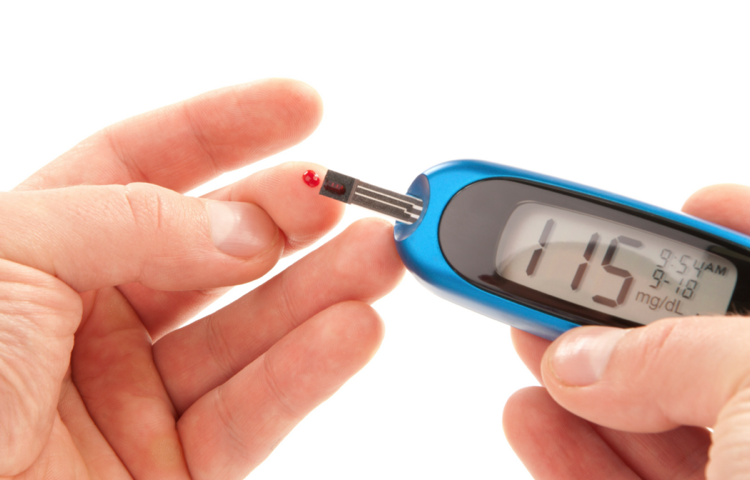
[[183, 145]]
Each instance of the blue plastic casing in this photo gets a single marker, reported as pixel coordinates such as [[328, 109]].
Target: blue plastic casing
[[419, 247]]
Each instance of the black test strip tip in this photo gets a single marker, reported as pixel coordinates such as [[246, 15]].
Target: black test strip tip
[[338, 186]]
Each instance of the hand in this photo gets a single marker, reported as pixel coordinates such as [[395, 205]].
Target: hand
[[663, 383], [97, 274]]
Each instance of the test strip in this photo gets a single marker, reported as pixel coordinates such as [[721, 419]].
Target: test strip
[[347, 189]]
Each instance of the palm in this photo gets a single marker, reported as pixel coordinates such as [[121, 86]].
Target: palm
[[106, 384]]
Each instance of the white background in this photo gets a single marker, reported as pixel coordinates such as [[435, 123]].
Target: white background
[[646, 99]]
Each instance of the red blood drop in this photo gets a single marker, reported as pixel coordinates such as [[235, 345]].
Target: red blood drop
[[311, 178], [335, 188]]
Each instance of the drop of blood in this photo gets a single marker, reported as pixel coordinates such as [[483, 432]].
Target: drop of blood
[[311, 178], [335, 188]]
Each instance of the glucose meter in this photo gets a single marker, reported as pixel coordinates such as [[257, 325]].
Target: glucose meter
[[546, 255]]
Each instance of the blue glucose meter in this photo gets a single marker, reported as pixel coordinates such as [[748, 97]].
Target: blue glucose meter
[[545, 255]]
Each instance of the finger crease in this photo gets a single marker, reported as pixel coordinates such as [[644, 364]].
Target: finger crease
[[286, 301], [201, 140], [227, 420], [658, 348], [693, 464], [218, 348], [159, 214], [134, 170], [131, 207], [275, 390]]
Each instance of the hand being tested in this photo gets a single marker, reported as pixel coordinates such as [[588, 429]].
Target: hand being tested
[[98, 273], [663, 383]]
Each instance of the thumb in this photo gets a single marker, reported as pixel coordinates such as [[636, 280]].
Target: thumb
[[98, 236], [693, 371]]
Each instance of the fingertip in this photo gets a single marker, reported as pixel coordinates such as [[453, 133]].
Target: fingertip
[[710, 195], [300, 211], [297, 209], [371, 247], [300, 92], [723, 204], [247, 122], [324, 352], [554, 443], [309, 99], [517, 408], [380, 234], [527, 412], [358, 325], [299, 103], [530, 349]]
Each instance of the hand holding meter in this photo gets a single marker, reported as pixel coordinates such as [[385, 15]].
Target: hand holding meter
[[545, 255]]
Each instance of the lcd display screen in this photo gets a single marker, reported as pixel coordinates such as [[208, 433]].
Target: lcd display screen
[[610, 267]]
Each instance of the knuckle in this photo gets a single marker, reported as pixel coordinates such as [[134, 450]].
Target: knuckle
[[287, 308], [651, 346], [728, 453], [218, 347], [194, 121], [145, 205]]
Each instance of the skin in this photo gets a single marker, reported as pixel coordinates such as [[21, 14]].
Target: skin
[[664, 383], [103, 260]]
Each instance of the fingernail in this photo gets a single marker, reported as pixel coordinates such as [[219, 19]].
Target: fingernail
[[581, 357], [240, 229]]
